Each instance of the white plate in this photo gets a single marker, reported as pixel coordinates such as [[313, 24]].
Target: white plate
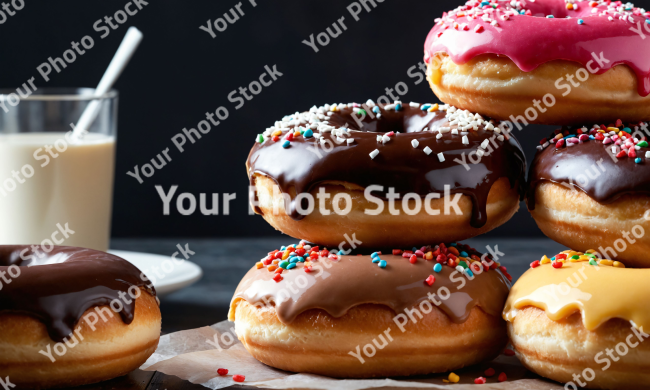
[[180, 276]]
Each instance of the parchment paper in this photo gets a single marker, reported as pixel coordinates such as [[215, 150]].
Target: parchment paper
[[196, 354]]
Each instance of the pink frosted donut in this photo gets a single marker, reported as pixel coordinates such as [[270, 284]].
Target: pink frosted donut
[[544, 61]]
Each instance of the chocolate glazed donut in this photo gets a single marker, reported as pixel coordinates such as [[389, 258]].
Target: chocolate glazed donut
[[587, 197], [56, 325], [417, 149]]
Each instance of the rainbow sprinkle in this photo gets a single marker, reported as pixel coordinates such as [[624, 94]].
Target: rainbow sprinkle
[[461, 257], [488, 12], [625, 141], [571, 256], [315, 126]]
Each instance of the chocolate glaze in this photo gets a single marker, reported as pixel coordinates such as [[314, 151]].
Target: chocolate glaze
[[355, 280], [398, 165], [530, 41], [607, 177], [60, 286]]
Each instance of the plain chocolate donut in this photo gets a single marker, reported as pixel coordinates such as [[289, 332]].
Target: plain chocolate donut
[[73, 316]]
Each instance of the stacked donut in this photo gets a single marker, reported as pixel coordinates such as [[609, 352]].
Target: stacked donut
[[577, 317], [379, 196]]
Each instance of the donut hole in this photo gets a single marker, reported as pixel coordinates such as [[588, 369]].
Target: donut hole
[[395, 121], [22, 256]]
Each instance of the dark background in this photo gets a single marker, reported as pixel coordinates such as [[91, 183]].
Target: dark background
[[180, 72]]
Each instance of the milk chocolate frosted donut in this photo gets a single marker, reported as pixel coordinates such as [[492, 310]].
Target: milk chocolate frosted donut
[[590, 188], [547, 61], [462, 171], [582, 321], [72, 316], [372, 315]]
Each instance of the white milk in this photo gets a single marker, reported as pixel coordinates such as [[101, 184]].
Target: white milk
[[75, 187]]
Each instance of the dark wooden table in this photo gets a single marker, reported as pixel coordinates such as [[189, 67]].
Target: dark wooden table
[[145, 380], [225, 261]]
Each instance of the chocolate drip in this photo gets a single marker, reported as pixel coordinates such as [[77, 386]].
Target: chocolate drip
[[399, 165], [59, 287], [355, 280], [607, 177]]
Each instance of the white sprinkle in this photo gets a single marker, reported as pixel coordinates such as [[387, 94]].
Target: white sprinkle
[[374, 154], [390, 107], [539, 147], [647, 154], [454, 132], [485, 143], [465, 140], [415, 143], [428, 150], [414, 105], [546, 144], [385, 139], [379, 138], [350, 141], [500, 138], [441, 157], [439, 136], [340, 139]]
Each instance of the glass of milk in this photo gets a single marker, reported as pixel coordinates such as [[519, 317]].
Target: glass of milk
[[56, 188]]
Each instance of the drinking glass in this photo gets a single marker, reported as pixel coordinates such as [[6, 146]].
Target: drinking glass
[[56, 188]]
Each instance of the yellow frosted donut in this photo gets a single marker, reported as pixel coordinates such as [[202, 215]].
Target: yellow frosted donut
[[582, 321]]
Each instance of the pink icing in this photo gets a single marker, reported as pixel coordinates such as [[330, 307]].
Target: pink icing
[[532, 39]]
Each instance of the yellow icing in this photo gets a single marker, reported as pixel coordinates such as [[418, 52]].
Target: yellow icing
[[600, 293]]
